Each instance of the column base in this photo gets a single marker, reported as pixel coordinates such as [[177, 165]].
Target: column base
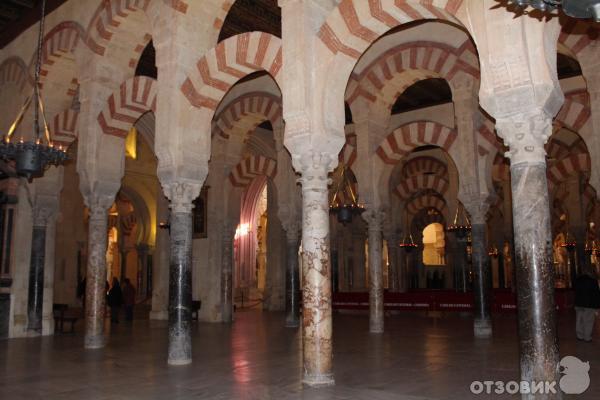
[[318, 380], [94, 342], [179, 362], [292, 324], [159, 315], [482, 328], [376, 329]]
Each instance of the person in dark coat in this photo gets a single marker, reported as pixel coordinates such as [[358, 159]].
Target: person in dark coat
[[115, 301], [587, 303], [129, 299]]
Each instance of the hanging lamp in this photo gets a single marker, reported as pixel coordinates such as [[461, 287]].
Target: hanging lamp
[[32, 157], [573, 8], [461, 226], [344, 202], [569, 243]]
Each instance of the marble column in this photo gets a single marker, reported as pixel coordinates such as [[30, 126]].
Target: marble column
[[160, 261], [316, 270], [35, 299], [481, 269], [375, 220], [358, 262], [95, 291], [526, 136], [393, 271], [227, 272], [180, 283], [292, 279]]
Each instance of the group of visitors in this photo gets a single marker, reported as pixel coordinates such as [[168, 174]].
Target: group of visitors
[[115, 298]]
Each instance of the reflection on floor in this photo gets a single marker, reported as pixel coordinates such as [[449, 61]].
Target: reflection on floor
[[418, 357]]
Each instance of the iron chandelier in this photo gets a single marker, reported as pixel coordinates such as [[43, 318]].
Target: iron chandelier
[[32, 157], [573, 8]]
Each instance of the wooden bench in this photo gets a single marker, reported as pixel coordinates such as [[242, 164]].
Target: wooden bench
[[196, 304], [62, 316]]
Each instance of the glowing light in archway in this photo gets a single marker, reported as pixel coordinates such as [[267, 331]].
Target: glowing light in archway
[[242, 230]]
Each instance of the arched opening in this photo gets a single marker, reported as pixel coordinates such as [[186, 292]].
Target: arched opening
[[252, 15], [434, 245]]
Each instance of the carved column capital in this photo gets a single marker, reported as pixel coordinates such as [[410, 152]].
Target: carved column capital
[[182, 194], [375, 219], [477, 207], [292, 230], [526, 134], [98, 204], [314, 169]]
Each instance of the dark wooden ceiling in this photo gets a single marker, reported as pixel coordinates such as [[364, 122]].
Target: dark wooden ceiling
[[16, 16]]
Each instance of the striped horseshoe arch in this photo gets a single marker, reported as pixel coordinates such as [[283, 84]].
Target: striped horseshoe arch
[[250, 168]]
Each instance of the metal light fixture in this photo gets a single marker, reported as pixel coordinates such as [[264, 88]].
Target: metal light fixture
[[32, 157], [461, 226], [573, 8], [408, 244], [493, 252], [569, 243], [345, 202]]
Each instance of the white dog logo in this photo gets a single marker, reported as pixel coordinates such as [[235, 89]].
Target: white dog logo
[[575, 379]]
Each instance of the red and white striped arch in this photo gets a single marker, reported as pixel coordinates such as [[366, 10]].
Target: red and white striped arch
[[349, 153], [487, 141], [354, 24], [420, 182], [567, 167], [13, 70], [135, 97], [231, 60], [251, 167], [259, 105], [415, 134], [574, 113], [111, 14], [424, 165], [576, 35], [64, 127], [435, 59], [424, 202]]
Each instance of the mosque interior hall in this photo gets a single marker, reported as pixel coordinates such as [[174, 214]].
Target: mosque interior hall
[[299, 199]]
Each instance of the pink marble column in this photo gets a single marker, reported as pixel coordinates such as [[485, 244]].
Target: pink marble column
[[95, 291], [316, 272], [375, 219]]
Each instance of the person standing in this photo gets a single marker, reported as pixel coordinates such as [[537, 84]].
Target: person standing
[[115, 301], [587, 303], [129, 299]]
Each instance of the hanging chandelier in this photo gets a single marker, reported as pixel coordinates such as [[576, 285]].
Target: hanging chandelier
[[461, 226], [408, 244], [344, 202], [569, 243], [32, 157], [573, 8]]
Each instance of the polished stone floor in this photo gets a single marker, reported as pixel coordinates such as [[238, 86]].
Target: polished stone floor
[[419, 357]]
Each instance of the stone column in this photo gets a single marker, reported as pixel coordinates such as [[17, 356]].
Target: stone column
[[35, 299], [526, 135], [227, 271], [316, 270], [181, 194], [95, 291], [358, 262], [375, 220], [482, 277], [292, 278], [160, 268], [393, 271]]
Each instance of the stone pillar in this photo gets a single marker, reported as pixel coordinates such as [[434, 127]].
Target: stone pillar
[[526, 135], [35, 299], [160, 268], [482, 277], [394, 263], [292, 279], [181, 194], [316, 270], [358, 262], [95, 291], [227, 271], [375, 220]]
